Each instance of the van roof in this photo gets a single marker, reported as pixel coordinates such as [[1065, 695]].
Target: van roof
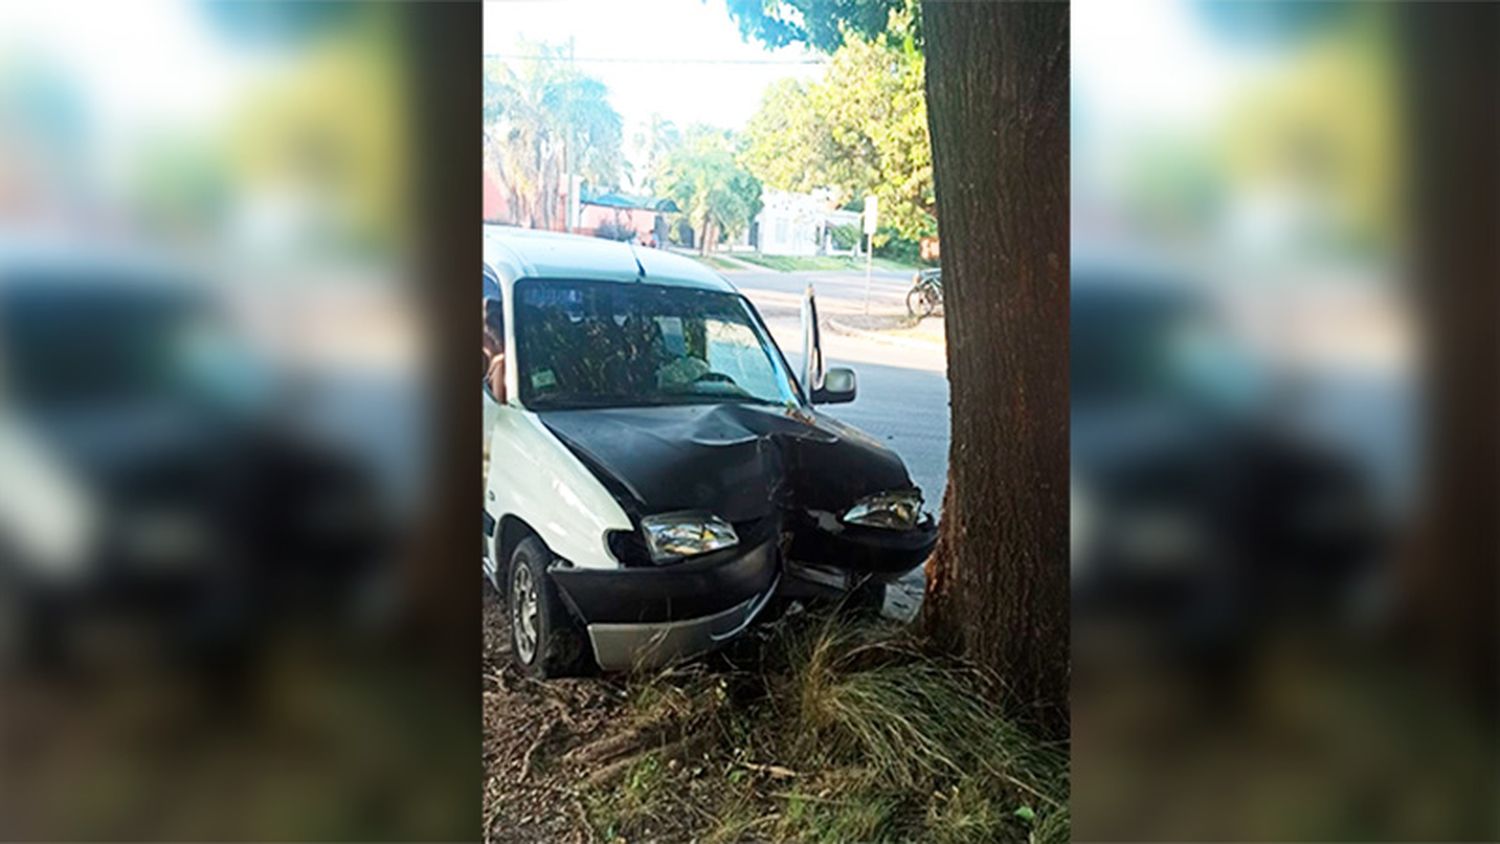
[[516, 253]]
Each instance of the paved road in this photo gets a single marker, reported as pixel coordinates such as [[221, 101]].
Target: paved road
[[903, 389]]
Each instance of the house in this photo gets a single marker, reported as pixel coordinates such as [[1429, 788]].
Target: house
[[497, 208], [798, 223], [621, 217]]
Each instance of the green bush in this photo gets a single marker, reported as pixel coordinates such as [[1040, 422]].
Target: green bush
[[898, 248], [845, 236]]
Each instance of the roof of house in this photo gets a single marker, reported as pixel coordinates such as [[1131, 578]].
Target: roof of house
[[516, 253], [620, 200]]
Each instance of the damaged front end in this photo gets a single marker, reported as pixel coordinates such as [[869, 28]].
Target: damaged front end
[[732, 503]]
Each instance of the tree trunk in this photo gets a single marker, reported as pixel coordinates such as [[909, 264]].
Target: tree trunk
[[997, 95]]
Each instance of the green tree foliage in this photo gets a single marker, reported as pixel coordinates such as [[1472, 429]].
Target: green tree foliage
[[543, 119], [820, 24], [654, 139], [861, 129], [845, 237], [704, 177]]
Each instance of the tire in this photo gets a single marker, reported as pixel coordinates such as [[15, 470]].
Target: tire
[[934, 299], [545, 641], [919, 302]]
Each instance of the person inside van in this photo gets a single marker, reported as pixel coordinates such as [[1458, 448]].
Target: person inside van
[[494, 348]]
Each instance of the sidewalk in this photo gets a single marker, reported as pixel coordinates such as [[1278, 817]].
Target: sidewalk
[[895, 330]]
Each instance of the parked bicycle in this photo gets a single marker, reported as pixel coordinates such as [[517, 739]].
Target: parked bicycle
[[926, 294]]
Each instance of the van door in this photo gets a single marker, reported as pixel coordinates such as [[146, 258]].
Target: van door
[[812, 345]]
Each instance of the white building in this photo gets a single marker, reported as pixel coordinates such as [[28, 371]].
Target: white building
[[797, 223]]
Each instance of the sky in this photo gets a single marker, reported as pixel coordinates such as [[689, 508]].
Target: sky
[[679, 50]]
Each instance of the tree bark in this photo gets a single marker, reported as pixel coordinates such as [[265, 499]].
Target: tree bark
[[997, 95]]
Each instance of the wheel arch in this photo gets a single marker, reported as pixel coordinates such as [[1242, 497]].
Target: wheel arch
[[511, 531]]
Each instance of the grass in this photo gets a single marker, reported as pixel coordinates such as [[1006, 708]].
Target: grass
[[814, 263], [831, 731], [718, 263]]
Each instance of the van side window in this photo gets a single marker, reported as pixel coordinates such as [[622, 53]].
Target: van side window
[[494, 348]]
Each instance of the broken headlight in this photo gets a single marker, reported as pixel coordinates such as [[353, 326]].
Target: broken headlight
[[896, 510], [672, 536]]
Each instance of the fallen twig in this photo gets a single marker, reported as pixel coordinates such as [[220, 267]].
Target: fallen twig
[[547, 730], [776, 771]]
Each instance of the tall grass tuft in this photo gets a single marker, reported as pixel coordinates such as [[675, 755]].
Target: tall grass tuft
[[848, 730]]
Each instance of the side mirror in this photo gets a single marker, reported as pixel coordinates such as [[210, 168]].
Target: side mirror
[[839, 387]]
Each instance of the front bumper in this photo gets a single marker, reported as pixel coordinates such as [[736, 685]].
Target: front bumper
[[646, 617], [871, 552], [623, 647]]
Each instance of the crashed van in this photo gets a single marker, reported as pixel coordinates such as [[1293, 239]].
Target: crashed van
[[656, 475]]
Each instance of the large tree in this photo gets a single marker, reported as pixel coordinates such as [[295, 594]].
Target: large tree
[[997, 95], [997, 106]]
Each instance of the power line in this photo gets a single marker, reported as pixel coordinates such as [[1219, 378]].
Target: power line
[[644, 60]]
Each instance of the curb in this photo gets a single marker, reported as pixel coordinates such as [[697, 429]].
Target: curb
[[883, 337]]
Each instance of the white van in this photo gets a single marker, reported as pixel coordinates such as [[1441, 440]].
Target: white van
[[657, 474]]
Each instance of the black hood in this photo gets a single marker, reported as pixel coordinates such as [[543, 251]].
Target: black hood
[[737, 461]]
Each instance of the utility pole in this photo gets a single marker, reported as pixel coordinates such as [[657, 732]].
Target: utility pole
[[567, 145], [872, 213]]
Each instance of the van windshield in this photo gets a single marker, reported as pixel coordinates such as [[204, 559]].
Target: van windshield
[[606, 344]]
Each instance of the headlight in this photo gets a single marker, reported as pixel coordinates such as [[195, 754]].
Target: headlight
[[896, 510], [671, 536]]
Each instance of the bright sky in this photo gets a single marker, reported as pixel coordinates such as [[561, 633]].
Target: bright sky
[[684, 48]]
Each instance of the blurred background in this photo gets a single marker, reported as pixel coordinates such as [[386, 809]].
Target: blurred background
[[227, 609], [1282, 383]]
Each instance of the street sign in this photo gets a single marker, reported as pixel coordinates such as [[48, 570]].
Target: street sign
[[872, 215]]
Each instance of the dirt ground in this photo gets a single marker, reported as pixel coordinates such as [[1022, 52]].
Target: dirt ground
[[530, 791]]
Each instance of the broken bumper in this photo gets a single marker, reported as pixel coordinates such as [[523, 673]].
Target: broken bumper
[[866, 551], [640, 618]]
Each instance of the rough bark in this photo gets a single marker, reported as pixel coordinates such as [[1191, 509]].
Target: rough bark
[[997, 95]]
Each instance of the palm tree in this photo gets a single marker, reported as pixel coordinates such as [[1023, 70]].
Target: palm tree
[[545, 122], [717, 194], [656, 138]]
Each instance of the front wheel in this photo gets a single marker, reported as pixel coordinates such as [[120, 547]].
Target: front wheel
[[544, 639], [920, 303]]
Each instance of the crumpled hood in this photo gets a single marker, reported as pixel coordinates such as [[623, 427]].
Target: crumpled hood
[[737, 461]]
